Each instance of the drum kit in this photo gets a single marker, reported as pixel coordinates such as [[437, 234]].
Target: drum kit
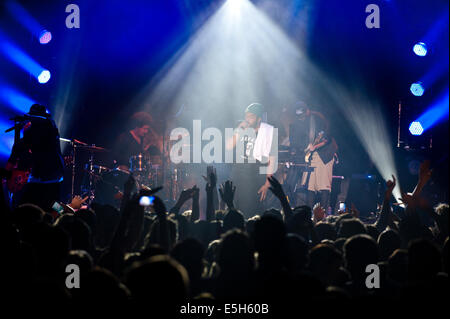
[[105, 185]]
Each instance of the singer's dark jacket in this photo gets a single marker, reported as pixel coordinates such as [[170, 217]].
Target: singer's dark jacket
[[42, 139]]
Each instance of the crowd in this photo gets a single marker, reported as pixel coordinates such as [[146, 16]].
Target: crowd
[[291, 258]]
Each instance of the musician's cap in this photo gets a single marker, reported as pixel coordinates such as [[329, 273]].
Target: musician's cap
[[300, 108], [255, 108], [38, 110]]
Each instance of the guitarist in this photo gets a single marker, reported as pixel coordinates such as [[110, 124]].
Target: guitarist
[[315, 148], [19, 164], [320, 154]]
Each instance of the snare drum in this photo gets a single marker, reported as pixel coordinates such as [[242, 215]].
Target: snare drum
[[138, 163]]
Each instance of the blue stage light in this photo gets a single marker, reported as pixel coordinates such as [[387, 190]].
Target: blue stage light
[[416, 128], [19, 13], [24, 61], [417, 89], [45, 37], [420, 49], [435, 113], [44, 76]]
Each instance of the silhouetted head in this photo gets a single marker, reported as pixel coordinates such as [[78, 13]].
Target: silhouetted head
[[189, 253], [296, 252], [324, 262], [424, 259], [388, 241], [159, 280], [233, 219], [325, 231], [359, 252], [269, 237], [351, 227], [398, 266], [235, 254]]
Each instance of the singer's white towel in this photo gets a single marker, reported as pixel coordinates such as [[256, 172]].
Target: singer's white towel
[[263, 142]]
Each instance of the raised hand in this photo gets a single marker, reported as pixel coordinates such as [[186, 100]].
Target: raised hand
[[210, 178], [425, 172], [318, 212], [355, 212], [275, 187], [390, 185], [77, 201], [408, 199], [227, 193], [185, 195], [263, 192], [159, 207], [195, 192]]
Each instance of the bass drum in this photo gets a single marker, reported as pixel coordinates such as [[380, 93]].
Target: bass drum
[[109, 188]]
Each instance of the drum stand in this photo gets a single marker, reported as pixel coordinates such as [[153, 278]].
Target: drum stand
[[91, 178], [74, 152]]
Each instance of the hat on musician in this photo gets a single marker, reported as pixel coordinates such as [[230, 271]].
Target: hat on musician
[[38, 110], [301, 109], [255, 108]]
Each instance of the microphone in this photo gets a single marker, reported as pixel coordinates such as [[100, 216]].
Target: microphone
[[18, 126], [243, 124]]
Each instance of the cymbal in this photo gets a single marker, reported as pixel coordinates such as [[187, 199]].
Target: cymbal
[[92, 148]]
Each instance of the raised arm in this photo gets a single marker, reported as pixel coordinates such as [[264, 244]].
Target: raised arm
[[277, 190], [383, 220], [195, 203], [227, 193], [211, 181], [185, 195]]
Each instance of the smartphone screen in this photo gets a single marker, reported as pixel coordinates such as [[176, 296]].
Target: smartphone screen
[[146, 201], [342, 206], [58, 207]]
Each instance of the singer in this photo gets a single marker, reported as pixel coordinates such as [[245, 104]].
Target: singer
[[260, 149]]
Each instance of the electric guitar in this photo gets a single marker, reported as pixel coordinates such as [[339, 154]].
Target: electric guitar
[[17, 180], [317, 140]]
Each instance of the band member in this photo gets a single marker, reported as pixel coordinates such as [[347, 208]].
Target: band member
[[142, 138], [259, 149], [19, 165], [41, 138], [310, 138]]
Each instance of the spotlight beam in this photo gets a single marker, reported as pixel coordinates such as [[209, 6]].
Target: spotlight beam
[[22, 60], [31, 24]]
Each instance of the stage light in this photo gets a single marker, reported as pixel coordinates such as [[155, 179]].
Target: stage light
[[23, 60], [416, 128], [45, 37], [420, 49], [44, 76], [19, 13], [417, 89], [435, 113]]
